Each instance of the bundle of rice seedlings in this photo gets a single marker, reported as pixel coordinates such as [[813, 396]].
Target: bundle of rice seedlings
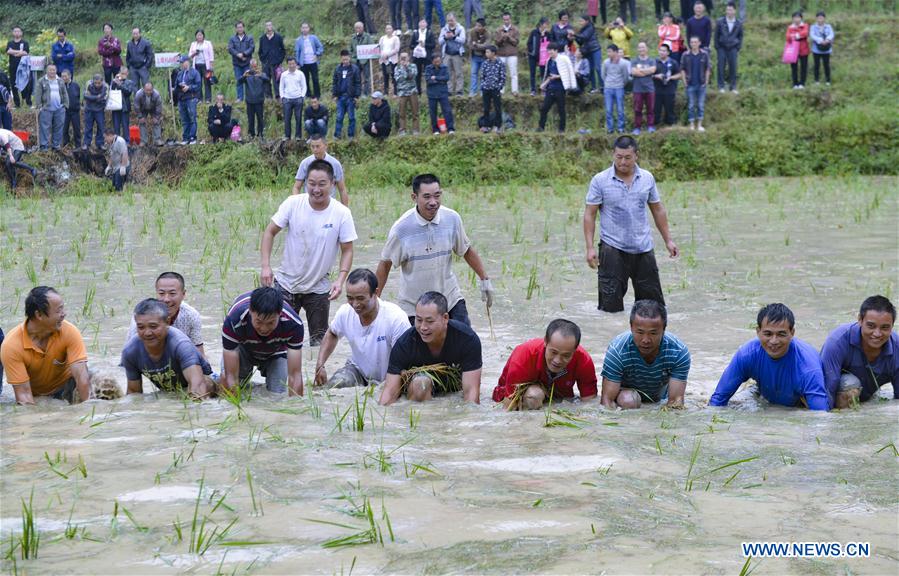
[[445, 379], [515, 400]]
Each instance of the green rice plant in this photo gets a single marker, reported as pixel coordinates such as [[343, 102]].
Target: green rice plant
[[413, 468], [371, 533], [444, 379], [891, 447], [414, 418], [532, 282], [30, 538], [256, 510], [358, 415], [70, 531], [746, 570], [697, 445], [238, 396], [134, 522], [31, 273], [202, 535]]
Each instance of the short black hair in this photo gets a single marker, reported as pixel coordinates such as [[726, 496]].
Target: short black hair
[[61, 30], [105, 24], [481, 21], [317, 136], [152, 306], [38, 301], [436, 298], [266, 300], [666, 46], [543, 20], [491, 47], [821, 13], [344, 52], [625, 142], [730, 4], [110, 131], [426, 178], [557, 46], [238, 23], [563, 13], [797, 13], [566, 327], [321, 166], [289, 58], [775, 313], [649, 309], [506, 13], [363, 275], [172, 275], [613, 48], [877, 304]]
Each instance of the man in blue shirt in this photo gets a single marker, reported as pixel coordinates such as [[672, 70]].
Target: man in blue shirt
[[63, 53], [787, 370], [862, 356], [646, 363], [164, 355], [187, 83]]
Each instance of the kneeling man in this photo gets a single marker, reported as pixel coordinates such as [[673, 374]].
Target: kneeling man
[[448, 349], [548, 366], [164, 355], [862, 356], [787, 370], [646, 364], [370, 325]]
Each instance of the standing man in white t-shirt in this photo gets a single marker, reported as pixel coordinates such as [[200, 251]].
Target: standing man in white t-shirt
[[371, 327], [422, 243], [319, 147], [316, 227]]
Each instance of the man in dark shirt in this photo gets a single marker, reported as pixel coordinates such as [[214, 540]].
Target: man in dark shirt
[[435, 339], [73, 112], [667, 74], [437, 79], [271, 54], [554, 89], [345, 88], [315, 118], [700, 25], [728, 42], [378, 125], [15, 49]]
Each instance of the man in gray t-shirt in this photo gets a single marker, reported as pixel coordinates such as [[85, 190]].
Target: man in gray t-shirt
[[119, 163], [642, 69], [616, 71], [319, 148]]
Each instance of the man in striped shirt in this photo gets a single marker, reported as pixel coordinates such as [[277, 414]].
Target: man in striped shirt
[[262, 331], [646, 363]]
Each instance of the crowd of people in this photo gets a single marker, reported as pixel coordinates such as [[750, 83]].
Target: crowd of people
[[423, 345], [417, 58]]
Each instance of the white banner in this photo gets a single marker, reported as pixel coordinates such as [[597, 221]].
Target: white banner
[[167, 59], [368, 52], [38, 62]]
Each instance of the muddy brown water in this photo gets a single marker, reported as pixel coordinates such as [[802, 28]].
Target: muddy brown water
[[466, 489]]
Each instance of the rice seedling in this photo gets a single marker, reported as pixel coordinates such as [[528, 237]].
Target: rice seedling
[[414, 418], [372, 533], [202, 536], [533, 286], [31, 273], [891, 447], [444, 379], [697, 445], [134, 522], [29, 540], [256, 510], [413, 469], [555, 417], [746, 570], [238, 396]]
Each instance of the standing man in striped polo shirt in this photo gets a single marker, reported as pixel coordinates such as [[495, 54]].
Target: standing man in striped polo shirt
[[620, 195], [646, 364], [422, 243]]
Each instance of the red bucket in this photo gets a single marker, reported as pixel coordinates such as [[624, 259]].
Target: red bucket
[[23, 136], [441, 125], [134, 134]]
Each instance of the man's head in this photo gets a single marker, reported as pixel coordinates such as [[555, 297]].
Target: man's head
[[377, 98], [152, 319], [291, 64], [122, 75], [254, 65], [451, 20], [317, 143], [876, 317], [305, 29], [265, 309], [648, 322], [313, 101], [552, 49], [624, 155], [170, 290], [664, 51], [436, 60], [361, 285], [359, 28], [404, 58], [107, 29], [148, 88], [220, 99], [51, 71], [480, 24], [238, 28], [109, 136], [695, 43], [16, 33], [66, 76], [490, 52], [135, 34], [561, 340], [507, 19], [345, 57], [698, 9], [97, 80], [185, 62], [730, 11], [269, 28], [820, 17], [61, 34], [422, 24], [642, 49], [44, 308], [614, 54], [319, 182], [431, 316], [563, 17], [426, 194], [797, 18], [774, 328]]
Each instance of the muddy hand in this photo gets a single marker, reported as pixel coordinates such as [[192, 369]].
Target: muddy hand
[[267, 278], [592, 260], [486, 287], [336, 290]]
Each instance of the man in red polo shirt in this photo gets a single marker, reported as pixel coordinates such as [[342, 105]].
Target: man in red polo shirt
[[557, 363]]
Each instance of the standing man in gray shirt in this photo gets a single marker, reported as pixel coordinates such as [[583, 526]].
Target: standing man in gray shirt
[[615, 73], [620, 195]]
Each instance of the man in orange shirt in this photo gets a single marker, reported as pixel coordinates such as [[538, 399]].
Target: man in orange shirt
[[45, 355]]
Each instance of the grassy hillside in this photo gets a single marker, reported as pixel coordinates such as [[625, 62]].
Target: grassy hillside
[[768, 129]]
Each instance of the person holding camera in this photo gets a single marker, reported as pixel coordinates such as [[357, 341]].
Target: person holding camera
[[187, 84], [255, 84], [203, 56], [620, 35]]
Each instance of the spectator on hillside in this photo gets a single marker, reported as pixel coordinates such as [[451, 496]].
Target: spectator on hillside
[[62, 54], [13, 149], [345, 89], [423, 44], [581, 71], [363, 14], [591, 51], [53, 100], [620, 35], [405, 76], [148, 105], [697, 70], [559, 77], [493, 79], [187, 83], [411, 11], [308, 49], [687, 8], [292, 90], [670, 34], [379, 123], [616, 71], [219, 121], [559, 31], [271, 56], [16, 48], [110, 50], [478, 40], [643, 67], [389, 45], [139, 58], [73, 112], [700, 25], [667, 74], [315, 118], [728, 42], [797, 31], [119, 165], [452, 43], [255, 86], [121, 119], [361, 38], [821, 34], [538, 52], [241, 47], [506, 40], [95, 96], [430, 6], [203, 55], [437, 77]]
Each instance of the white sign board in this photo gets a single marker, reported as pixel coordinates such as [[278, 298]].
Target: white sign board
[[38, 62], [167, 59], [368, 52]]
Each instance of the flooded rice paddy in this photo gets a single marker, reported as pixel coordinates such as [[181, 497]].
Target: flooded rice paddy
[[153, 484]]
